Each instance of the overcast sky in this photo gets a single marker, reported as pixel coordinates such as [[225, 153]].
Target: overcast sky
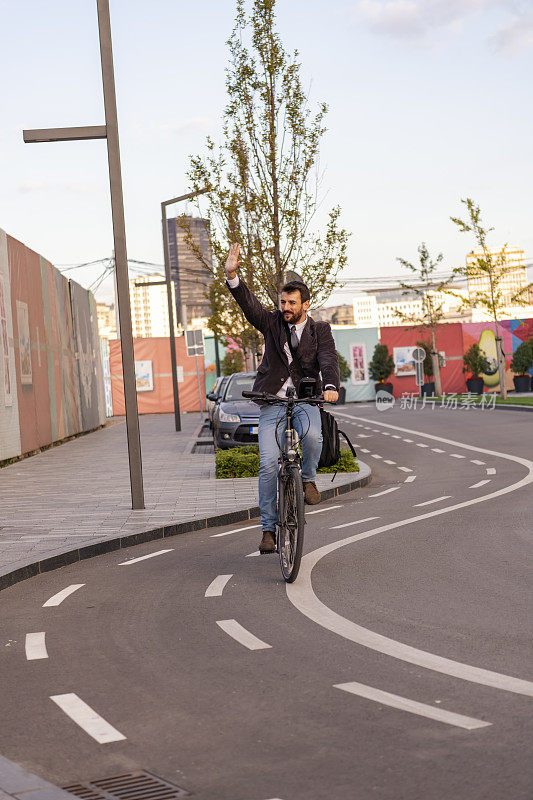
[[430, 101]]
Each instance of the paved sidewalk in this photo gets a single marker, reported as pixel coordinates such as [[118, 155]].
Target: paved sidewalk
[[78, 493]]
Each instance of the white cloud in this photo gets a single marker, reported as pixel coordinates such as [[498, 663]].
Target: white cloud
[[420, 20]]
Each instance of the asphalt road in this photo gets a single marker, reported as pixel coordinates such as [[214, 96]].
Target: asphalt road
[[414, 598]]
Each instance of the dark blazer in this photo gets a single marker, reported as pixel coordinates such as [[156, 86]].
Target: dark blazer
[[316, 351]]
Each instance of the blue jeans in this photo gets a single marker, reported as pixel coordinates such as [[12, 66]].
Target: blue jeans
[[304, 417]]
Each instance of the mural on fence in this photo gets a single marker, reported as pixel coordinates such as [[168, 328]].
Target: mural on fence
[[41, 382]]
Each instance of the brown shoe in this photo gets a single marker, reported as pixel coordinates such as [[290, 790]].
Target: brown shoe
[[312, 495], [268, 543]]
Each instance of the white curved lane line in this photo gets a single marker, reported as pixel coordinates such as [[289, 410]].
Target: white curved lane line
[[217, 586], [241, 635], [435, 500], [385, 491], [413, 706], [143, 558], [35, 646], [58, 598], [88, 720], [302, 596]]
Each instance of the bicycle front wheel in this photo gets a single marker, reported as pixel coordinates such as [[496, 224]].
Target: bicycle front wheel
[[291, 522]]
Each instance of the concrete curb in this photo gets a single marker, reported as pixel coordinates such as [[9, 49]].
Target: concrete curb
[[17, 782], [22, 570]]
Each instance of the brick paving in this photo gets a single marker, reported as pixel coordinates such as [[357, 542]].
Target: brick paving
[[79, 493]]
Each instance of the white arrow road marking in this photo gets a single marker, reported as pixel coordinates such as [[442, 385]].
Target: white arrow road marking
[[413, 706], [320, 510], [58, 598], [302, 596], [241, 635], [235, 530], [143, 558], [435, 500], [491, 471], [216, 587], [385, 491], [480, 483], [83, 715], [36, 646], [355, 522], [410, 479], [456, 455]]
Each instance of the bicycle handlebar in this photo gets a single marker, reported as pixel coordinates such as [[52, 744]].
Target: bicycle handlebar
[[266, 397]]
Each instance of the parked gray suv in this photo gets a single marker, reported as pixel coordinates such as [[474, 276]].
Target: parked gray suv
[[235, 419]]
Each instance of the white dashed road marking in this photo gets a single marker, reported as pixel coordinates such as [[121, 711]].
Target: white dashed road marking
[[476, 461], [405, 469], [83, 715], [385, 491], [395, 436], [355, 522], [410, 479], [491, 471], [241, 635], [320, 510], [435, 500], [36, 646], [421, 444], [436, 450], [408, 440], [235, 530], [388, 461], [412, 706], [363, 450], [375, 455], [456, 455], [58, 598], [143, 558], [216, 587], [480, 483], [252, 555]]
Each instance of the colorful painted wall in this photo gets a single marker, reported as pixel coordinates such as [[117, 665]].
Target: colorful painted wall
[[51, 382], [154, 377]]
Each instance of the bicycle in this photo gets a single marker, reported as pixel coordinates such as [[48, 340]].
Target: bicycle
[[291, 504]]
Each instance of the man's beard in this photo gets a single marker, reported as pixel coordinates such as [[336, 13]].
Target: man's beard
[[292, 319]]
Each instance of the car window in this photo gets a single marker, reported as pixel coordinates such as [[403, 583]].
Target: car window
[[222, 386], [237, 385]]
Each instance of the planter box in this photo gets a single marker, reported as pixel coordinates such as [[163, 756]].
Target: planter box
[[475, 385], [383, 387], [522, 383], [428, 389]]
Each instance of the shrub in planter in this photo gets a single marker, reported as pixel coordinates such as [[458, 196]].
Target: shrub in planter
[[381, 368], [521, 363], [243, 462], [476, 363]]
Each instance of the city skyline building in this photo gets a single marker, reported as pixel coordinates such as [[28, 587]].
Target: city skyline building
[[149, 306], [190, 277]]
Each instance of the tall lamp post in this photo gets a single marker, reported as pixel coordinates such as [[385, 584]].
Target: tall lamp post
[[164, 204], [109, 131]]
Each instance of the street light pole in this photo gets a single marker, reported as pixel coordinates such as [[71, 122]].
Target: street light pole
[[109, 131], [166, 257]]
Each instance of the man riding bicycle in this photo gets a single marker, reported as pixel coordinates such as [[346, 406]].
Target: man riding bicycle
[[287, 331]]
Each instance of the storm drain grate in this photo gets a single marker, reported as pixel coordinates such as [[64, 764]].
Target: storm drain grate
[[138, 785]]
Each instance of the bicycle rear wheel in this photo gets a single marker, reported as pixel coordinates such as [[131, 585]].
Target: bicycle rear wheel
[[291, 522]]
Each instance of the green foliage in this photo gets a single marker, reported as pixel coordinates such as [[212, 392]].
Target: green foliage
[[243, 462], [475, 361], [523, 358], [382, 365], [428, 363], [232, 362], [237, 462], [264, 177], [346, 463], [344, 369]]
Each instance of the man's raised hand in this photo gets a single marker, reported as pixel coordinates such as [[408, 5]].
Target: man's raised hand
[[232, 261]]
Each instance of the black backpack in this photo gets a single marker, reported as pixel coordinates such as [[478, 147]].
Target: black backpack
[[331, 446]]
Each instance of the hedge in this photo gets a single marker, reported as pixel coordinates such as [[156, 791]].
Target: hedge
[[243, 462]]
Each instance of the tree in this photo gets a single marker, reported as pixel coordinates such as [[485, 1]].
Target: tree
[[382, 365], [344, 369], [523, 358], [232, 362], [492, 266], [475, 361], [426, 289], [265, 177]]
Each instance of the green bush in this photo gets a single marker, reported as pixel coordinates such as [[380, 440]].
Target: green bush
[[522, 358], [243, 462], [475, 361], [381, 366]]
